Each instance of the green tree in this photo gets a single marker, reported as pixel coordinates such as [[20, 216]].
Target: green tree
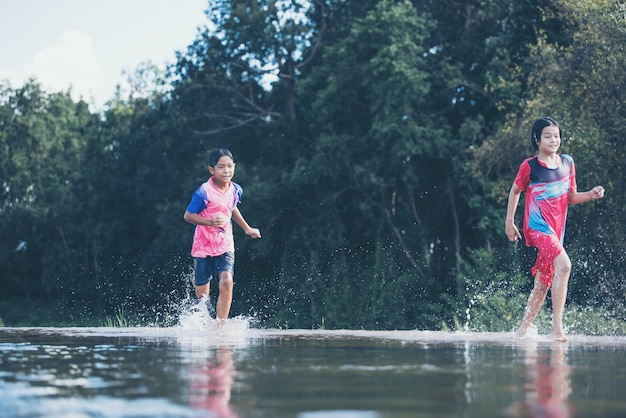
[[367, 173], [42, 148]]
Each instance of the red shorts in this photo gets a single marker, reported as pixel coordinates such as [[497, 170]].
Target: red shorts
[[549, 247]]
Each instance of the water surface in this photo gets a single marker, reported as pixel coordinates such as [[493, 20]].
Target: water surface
[[242, 372]]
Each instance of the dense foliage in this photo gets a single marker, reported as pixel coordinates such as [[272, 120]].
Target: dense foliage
[[376, 142]]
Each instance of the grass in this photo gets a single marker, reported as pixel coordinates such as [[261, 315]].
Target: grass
[[120, 320]]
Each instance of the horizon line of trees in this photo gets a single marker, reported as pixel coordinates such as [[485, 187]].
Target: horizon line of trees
[[377, 166]]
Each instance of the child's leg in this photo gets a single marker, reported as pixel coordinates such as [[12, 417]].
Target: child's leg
[[202, 270], [225, 298], [202, 291], [534, 304], [562, 269]]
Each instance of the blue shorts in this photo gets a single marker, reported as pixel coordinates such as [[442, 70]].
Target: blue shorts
[[206, 268]]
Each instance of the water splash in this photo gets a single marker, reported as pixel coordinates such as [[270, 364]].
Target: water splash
[[533, 332], [468, 316], [197, 317], [198, 325]]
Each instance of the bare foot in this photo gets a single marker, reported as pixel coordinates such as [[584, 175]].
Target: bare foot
[[529, 331], [558, 334]]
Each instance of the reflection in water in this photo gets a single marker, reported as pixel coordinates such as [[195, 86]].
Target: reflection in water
[[549, 383], [175, 373], [211, 382]]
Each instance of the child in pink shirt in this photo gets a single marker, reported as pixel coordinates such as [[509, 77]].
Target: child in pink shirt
[[211, 209]]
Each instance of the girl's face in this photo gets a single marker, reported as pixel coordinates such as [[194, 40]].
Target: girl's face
[[223, 171], [550, 140]]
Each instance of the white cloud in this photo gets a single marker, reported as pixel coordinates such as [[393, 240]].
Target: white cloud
[[70, 62], [106, 39]]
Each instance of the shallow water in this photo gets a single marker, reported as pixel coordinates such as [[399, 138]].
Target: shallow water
[[240, 372]]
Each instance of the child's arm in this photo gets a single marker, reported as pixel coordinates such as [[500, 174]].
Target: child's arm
[[582, 197], [219, 221], [511, 229], [238, 218]]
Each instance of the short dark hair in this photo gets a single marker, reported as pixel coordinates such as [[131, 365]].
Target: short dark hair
[[538, 128], [217, 153]]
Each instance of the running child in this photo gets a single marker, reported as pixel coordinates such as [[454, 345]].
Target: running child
[[549, 180], [211, 209]]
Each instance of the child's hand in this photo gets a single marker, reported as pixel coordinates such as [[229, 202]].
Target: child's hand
[[219, 221], [597, 192], [253, 233], [512, 232]]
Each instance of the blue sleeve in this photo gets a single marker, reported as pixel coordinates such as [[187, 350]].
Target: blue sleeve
[[238, 192], [198, 202]]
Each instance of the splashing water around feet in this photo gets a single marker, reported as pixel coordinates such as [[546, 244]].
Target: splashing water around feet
[[533, 332], [197, 317], [201, 317]]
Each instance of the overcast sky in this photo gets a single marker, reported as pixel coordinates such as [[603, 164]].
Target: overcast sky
[[88, 43]]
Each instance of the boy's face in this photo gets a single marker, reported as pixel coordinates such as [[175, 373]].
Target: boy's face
[[550, 140], [223, 171]]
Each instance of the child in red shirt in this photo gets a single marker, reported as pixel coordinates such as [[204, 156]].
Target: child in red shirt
[[549, 180]]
